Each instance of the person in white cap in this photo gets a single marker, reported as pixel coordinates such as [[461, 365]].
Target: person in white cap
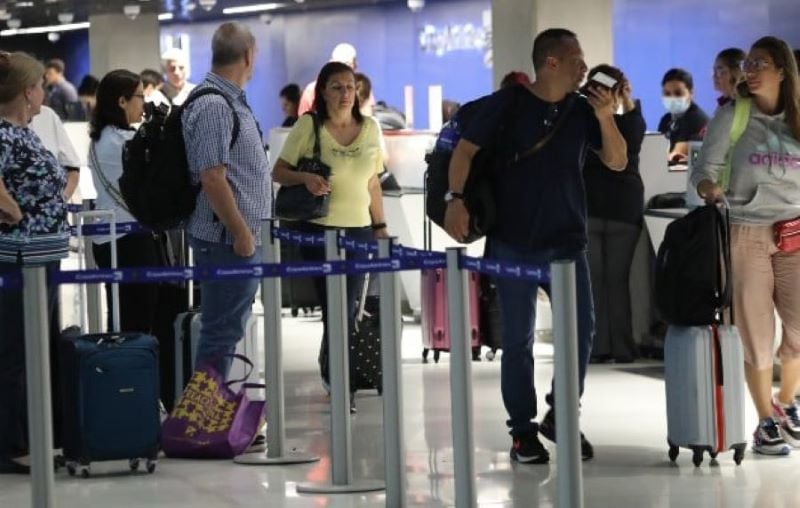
[[176, 70], [344, 53]]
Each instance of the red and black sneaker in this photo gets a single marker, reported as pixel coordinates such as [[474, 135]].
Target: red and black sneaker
[[527, 449]]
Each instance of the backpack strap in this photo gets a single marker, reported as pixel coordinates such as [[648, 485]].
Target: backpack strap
[[112, 191], [741, 117], [213, 91], [549, 136]]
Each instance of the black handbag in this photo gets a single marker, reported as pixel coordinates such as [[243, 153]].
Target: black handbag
[[295, 202]]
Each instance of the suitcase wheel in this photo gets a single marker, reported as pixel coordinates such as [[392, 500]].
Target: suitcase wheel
[[295, 311], [476, 354], [436, 355], [697, 456], [425, 355], [151, 466], [673, 452], [738, 454], [71, 469], [713, 454], [86, 472], [133, 464]]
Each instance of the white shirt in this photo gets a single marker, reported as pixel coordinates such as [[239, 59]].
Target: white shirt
[[48, 126], [183, 94], [109, 156]]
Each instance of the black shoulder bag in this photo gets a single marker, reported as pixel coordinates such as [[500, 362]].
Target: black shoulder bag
[[295, 202], [478, 193]]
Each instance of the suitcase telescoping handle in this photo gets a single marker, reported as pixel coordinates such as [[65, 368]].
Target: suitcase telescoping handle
[[725, 268], [81, 219]]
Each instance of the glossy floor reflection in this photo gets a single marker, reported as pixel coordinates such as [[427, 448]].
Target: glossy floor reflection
[[623, 415]]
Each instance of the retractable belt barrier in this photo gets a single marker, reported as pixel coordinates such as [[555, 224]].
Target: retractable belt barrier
[[388, 261]]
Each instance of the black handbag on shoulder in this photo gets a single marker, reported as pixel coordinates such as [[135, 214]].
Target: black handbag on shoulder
[[295, 202]]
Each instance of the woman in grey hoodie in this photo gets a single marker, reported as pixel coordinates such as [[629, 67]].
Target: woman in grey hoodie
[[764, 189]]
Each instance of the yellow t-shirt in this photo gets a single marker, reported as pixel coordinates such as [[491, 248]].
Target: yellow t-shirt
[[351, 166]]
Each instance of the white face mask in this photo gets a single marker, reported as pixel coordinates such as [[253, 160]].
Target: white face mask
[[676, 105]]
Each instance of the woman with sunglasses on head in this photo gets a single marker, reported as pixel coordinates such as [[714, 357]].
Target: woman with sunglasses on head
[[350, 145], [615, 205], [727, 73], [764, 189], [33, 229]]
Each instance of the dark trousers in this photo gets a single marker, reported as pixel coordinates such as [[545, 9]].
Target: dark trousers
[[355, 283], [13, 390], [146, 308], [137, 302], [611, 248], [518, 312]]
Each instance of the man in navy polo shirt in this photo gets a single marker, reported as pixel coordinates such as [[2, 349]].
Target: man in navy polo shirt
[[541, 210]]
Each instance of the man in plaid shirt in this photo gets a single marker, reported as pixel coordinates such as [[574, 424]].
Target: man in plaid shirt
[[235, 197]]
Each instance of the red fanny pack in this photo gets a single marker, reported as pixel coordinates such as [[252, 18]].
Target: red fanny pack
[[787, 235]]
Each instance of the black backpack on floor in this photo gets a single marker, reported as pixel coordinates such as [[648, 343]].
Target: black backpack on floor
[[155, 182], [693, 269]]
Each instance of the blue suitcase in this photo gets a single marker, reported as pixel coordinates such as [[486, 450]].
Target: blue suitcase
[[110, 393]]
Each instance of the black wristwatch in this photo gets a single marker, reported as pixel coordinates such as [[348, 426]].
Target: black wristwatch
[[450, 195]]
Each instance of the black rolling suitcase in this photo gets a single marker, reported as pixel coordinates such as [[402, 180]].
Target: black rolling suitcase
[[297, 293]]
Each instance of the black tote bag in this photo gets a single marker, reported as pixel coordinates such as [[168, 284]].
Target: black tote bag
[[295, 202]]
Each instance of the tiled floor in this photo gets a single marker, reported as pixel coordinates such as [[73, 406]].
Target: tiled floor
[[623, 414]]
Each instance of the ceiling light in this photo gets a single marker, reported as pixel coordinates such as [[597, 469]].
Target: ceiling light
[[131, 11], [244, 9], [24, 4], [53, 36], [416, 5], [44, 29], [65, 17], [191, 6], [165, 16], [4, 16], [207, 5], [14, 23]]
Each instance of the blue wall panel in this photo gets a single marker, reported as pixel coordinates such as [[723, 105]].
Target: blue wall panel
[[650, 37], [295, 46]]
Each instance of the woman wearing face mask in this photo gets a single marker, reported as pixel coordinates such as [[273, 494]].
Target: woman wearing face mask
[[728, 73], [684, 121], [764, 189], [615, 204], [33, 229], [350, 145]]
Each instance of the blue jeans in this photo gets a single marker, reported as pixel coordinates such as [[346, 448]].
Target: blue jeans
[[225, 305], [518, 311]]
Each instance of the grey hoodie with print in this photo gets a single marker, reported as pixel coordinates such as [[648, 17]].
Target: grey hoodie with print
[[765, 166]]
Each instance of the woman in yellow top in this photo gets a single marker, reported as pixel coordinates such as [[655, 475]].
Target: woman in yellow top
[[350, 146]]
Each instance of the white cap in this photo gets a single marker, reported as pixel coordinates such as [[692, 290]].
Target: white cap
[[174, 54], [344, 52]]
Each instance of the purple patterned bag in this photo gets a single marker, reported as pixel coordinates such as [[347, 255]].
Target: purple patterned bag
[[211, 421]]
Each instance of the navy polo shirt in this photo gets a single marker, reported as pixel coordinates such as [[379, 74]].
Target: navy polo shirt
[[541, 202]]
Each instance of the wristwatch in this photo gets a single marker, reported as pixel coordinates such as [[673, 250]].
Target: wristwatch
[[450, 195]]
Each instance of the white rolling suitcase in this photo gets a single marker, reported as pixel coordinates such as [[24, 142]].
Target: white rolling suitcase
[[705, 384]]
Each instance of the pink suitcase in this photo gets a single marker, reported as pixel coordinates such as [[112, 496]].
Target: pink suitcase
[[435, 329]]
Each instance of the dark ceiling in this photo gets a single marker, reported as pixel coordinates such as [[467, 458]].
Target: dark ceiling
[[45, 12]]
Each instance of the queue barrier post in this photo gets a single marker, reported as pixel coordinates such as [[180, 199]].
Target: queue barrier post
[[565, 330], [37, 375], [461, 380], [391, 355], [341, 440], [274, 409]]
